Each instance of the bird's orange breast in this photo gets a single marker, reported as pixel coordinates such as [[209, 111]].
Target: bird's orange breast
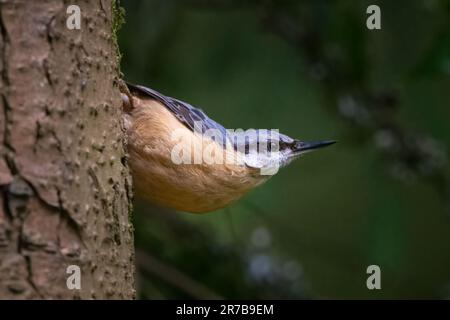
[[190, 187]]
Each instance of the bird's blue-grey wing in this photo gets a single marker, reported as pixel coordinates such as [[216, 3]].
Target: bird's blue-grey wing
[[192, 117]]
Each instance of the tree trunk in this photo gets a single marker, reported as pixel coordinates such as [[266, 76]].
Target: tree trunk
[[66, 188]]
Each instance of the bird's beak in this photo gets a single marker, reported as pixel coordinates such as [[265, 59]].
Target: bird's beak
[[307, 146]]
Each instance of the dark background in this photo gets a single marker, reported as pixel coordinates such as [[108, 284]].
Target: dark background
[[313, 70]]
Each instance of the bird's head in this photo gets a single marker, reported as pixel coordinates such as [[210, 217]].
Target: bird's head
[[269, 150]]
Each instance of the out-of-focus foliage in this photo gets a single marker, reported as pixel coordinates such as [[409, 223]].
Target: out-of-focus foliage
[[313, 70]]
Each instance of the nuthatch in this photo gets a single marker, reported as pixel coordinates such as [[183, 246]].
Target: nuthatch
[[162, 130]]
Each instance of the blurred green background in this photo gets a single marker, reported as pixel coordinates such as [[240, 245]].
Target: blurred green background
[[313, 70]]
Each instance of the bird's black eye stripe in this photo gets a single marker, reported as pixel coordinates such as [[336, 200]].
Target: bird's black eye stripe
[[269, 146]]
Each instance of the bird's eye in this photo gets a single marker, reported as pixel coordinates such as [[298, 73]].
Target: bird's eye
[[265, 146]]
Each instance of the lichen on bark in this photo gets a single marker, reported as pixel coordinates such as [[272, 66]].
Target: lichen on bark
[[118, 14]]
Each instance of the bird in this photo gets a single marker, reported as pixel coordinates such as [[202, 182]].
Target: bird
[[183, 160]]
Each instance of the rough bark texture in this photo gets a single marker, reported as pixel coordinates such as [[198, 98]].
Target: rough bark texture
[[65, 184]]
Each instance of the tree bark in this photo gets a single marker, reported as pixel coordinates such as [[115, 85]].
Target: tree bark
[[66, 187]]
